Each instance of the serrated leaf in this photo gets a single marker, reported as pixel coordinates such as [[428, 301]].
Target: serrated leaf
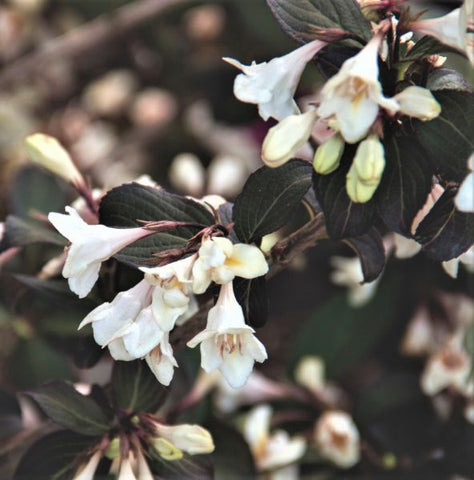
[[125, 205], [68, 408], [135, 387], [269, 198], [297, 17], [19, 233], [252, 297], [53, 456], [445, 232], [449, 138], [369, 248], [406, 182], [344, 218]]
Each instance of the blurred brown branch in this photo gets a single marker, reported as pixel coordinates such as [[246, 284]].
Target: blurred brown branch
[[86, 38]]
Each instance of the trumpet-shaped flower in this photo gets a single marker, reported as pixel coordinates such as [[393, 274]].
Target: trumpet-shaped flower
[[354, 94], [287, 137], [220, 261], [454, 29], [418, 102], [161, 361], [192, 439], [172, 289], [337, 438], [270, 451], [227, 343], [90, 246], [272, 85], [87, 471]]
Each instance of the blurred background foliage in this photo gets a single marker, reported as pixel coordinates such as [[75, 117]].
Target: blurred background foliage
[[128, 107]]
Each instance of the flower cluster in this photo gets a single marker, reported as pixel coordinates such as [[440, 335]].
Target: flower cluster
[[137, 322], [352, 103]]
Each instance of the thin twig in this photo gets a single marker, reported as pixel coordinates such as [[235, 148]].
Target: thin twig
[[87, 38]]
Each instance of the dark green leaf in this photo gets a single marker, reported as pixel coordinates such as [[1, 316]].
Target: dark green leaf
[[369, 248], [343, 335], [236, 466], [297, 17], [67, 407], [34, 361], [10, 415], [425, 47], [19, 233], [86, 353], [331, 58], [252, 297], [445, 232], [125, 205], [447, 79], [449, 139], [344, 218], [135, 387], [53, 457], [406, 182], [269, 198]]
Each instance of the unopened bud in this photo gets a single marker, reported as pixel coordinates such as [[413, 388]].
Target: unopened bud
[[328, 155], [369, 160], [113, 450], [287, 137], [310, 373], [358, 192], [50, 154], [167, 450], [418, 102], [193, 439]]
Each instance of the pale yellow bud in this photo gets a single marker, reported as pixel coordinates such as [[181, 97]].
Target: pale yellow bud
[[328, 155], [167, 450], [369, 161], [358, 191], [287, 137], [418, 102], [113, 450], [50, 154]]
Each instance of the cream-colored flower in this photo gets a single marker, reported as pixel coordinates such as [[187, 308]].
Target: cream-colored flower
[[90, 246], [287, 137], [192, 439], [354, 94], [272, 85], [420, 336], [405, 247], [418, 102], [227, 343], [87, 471], [337, 438], [465, 197], [270, 451], [220, 261], [50, 154], [161, 360], [454, 29]]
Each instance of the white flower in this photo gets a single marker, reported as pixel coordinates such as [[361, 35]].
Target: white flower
[[144, 472], [337, 438], [272, 85], [418, 102], [328, 155], [90, 246], [161, 361], [227, 343], [420, 336], [220, 261], [310, 373], [287, 137], [366, 170], [172, 289], [49, 153], [126, 470], [87, 471], [348, 273], [454, 29], [354, 94], [405, 247], [465, 197], [270, 451], [192, 439]]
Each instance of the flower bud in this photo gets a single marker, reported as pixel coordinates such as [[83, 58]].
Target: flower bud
[[358, 192], [287, 137], [113, 450], [337, 438], [328, 155], [193, 439], [310, 373], [166, 449], [369, 161], [50, 154], [418, 102]]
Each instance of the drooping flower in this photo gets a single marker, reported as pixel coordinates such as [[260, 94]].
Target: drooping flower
[[220, 261], [418, 102], [454, 29], [90, 246], [87, 471], [272, 85], [354, 94], [192, 439], [337, 438], [464, 200], [287, 137], [161, 360], [227, 343], [271, 451]]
